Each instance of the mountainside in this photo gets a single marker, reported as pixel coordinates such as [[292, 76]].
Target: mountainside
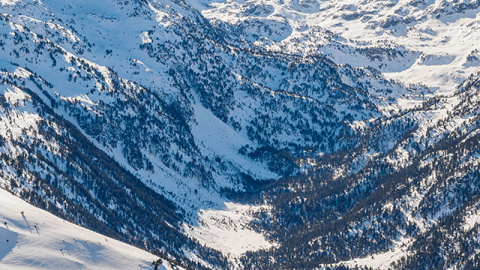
[[416, 41], [414, 206], [249, 134], [34, 239]]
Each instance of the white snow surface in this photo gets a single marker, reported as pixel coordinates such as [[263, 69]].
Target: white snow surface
[[217, 138], [228, 230], [380, 260], [39, 240]]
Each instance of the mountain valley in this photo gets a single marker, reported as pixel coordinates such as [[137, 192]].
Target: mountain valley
[[232, 134]]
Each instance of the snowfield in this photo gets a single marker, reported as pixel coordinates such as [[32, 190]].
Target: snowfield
[[38, 240], [228, 230]]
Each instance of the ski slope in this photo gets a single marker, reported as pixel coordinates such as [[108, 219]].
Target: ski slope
[[39, 240]]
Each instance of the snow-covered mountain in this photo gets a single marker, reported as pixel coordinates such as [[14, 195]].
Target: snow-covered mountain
[[249, 134], [35, 239], [427, 42]]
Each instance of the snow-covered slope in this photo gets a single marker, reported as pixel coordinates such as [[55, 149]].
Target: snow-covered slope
[[426, 42], [229, 230], [162, 92], [32, 238], [155, 69], [412, 207]]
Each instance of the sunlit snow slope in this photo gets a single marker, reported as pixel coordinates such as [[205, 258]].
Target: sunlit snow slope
[[32, 238]]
